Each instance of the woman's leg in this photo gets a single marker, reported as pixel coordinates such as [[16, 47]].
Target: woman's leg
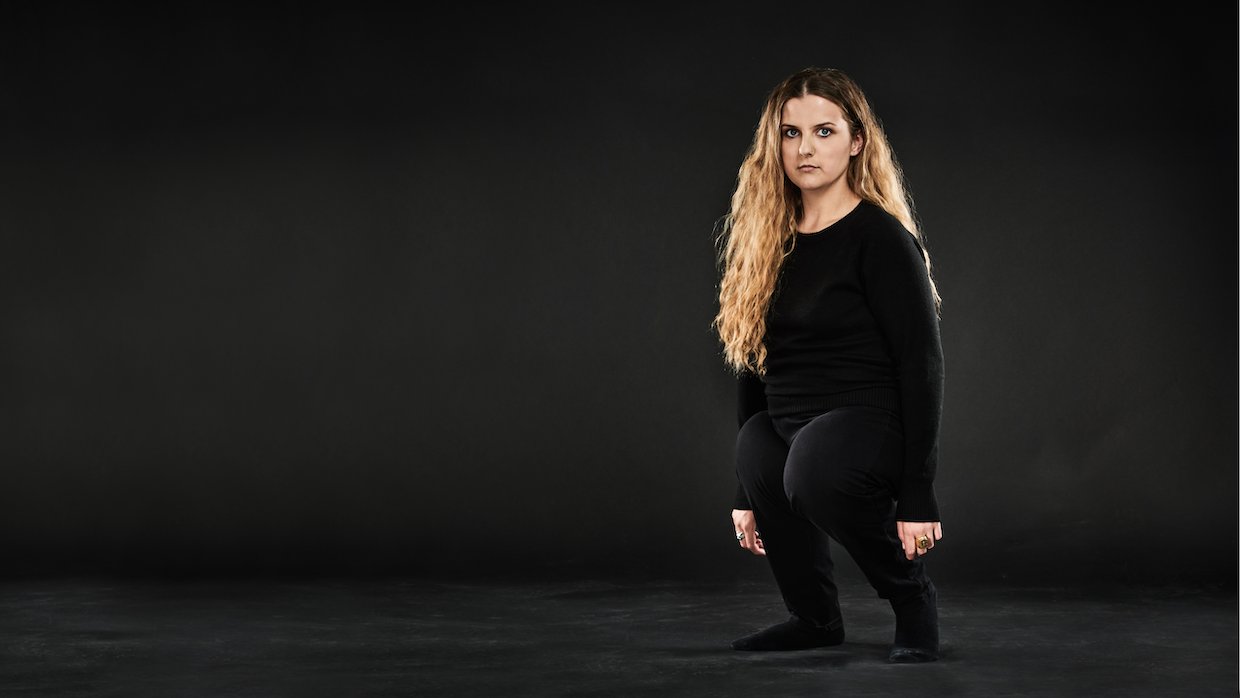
[[799, 553], [843, 469]]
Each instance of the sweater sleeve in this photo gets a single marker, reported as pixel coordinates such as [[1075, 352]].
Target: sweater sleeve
[[898, 292], [750, 400]]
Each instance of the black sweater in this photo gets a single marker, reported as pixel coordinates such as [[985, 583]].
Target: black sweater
[[853, 322]]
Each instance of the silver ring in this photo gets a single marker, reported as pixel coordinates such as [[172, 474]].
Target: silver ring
[[740, 535]]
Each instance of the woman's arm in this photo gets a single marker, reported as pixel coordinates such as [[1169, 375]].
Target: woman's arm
[[750, 400], [899, 294], [750, 397]]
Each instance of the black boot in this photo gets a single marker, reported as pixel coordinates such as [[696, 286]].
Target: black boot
[[792, 634], [917, 632]]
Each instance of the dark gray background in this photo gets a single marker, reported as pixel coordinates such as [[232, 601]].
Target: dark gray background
[[308, 290]]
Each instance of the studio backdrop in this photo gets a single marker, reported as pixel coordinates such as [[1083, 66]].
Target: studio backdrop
[[356, 291]]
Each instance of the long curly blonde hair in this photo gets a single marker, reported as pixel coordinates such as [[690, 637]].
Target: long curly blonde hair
[[759, 231]]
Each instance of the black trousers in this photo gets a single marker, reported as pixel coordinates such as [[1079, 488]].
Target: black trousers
[[835, 476]]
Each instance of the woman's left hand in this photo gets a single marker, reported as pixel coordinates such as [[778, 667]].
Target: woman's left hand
[[910, 531]]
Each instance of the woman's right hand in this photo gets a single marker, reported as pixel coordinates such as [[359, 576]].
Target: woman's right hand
[[743, 521]]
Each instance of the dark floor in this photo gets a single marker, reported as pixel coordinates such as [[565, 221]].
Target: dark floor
[[422, 638]]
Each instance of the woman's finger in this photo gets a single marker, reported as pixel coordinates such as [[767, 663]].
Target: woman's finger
[[754, 543], [747, 531], [747, 543], [911, 533]]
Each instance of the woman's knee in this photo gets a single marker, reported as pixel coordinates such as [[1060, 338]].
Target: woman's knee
[[809, 490], [760, 452], [827, 493]]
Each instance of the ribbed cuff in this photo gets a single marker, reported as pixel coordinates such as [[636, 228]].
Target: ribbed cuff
[[740, 501], [917, 503]]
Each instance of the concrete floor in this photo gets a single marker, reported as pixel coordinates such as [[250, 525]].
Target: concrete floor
[[95, 637]]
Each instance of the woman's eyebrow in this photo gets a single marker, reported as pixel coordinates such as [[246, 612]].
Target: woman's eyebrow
[[825, 123]]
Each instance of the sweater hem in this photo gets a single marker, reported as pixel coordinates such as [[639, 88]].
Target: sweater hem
[[883, 398]]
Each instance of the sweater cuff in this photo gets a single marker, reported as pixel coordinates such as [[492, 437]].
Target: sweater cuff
[[917, 503], [740, 501]]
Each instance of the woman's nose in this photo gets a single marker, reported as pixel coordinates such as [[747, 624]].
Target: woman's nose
[[806, 148]]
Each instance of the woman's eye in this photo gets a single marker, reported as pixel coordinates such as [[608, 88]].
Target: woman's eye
[[791, 133], [824, 132]]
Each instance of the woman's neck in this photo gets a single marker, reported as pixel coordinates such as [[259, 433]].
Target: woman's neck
[[820, 209]]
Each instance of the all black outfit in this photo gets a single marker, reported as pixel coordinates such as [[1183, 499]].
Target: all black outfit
[[839, 438]]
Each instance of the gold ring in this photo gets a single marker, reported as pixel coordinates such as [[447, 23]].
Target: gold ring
[[923, 542]]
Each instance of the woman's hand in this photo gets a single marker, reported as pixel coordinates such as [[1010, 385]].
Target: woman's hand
[[743, 521], [910, 531]]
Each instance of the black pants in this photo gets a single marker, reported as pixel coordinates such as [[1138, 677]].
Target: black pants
[[833, 475]]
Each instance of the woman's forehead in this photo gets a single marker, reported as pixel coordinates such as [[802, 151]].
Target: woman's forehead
[[811, 109]]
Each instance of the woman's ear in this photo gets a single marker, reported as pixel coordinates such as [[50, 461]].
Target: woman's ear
[[858, 141]]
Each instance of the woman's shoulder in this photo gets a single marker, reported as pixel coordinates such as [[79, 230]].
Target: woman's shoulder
[[882, 230], [875, 217]]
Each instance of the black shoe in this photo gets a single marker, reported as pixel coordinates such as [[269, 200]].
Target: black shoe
[[917, 633], [792, 634]]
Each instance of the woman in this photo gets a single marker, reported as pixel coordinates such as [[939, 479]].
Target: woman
[[828, 311]]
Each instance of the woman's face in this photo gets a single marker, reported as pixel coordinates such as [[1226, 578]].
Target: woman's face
[[815, 143]]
